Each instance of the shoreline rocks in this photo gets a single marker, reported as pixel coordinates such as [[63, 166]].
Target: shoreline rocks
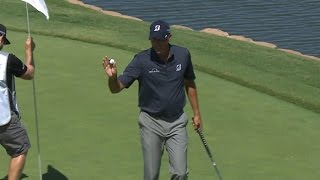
[[213, 31]]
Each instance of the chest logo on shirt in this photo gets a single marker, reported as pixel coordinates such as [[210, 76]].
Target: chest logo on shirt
[[154, 70], [178, 67]]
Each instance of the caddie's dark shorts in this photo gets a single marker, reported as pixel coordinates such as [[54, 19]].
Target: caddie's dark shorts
[[14, 137]]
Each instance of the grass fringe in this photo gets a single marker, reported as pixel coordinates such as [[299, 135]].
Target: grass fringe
[[299, 101], [260, 88]]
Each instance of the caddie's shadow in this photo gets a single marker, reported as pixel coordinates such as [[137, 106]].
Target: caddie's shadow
[[53, 174], [22, 177]]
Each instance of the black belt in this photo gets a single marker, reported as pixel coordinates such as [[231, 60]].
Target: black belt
[[165, 115]]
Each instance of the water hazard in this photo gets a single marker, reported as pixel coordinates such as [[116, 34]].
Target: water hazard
[[289, 24]]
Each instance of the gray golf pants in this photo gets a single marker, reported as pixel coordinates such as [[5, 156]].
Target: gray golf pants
[[156, 134]]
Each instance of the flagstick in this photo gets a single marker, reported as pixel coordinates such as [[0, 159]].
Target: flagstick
[[35, 106], [28, 20]]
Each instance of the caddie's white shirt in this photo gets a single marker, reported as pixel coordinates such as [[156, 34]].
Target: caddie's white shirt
[[5, 112]]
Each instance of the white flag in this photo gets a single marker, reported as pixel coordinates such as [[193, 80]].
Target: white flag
[[40, 5]]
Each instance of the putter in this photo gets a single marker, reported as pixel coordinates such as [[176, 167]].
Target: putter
[[204, 142]]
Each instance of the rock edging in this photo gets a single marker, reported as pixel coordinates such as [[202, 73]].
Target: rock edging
[[213, 31]]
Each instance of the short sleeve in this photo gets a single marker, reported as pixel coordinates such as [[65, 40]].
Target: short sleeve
[[131, 73], [16, 66], [189, 73]]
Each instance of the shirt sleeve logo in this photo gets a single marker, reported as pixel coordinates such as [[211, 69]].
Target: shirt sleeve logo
[[178, 67]]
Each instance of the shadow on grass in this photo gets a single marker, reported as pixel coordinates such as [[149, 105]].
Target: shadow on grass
[[23, 176], [51, 174]]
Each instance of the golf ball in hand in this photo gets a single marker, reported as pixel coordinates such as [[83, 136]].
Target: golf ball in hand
[[112, 61]]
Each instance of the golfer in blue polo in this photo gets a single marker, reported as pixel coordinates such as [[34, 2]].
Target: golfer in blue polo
[[164, 73]]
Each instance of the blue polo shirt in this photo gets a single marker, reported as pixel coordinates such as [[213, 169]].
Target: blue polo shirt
[[161, 85]]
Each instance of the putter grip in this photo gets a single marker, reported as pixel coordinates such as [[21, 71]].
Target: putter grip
[[204, 142]]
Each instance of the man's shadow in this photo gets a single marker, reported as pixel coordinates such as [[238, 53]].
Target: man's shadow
[[51, 174]]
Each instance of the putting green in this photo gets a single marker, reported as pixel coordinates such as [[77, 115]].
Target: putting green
[[88, 133]]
